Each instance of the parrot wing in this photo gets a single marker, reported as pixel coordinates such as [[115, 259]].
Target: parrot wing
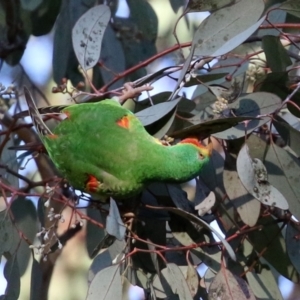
[[36, 117]]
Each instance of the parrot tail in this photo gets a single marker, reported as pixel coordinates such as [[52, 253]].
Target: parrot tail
[[36, 117]]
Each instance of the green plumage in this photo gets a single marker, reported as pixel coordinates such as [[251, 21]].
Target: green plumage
[[103, 148]]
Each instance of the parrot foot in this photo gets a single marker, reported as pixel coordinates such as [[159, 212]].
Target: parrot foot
[[130, 91], [167, 140]]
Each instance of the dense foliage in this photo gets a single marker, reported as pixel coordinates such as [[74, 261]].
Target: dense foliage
[[243, 63]]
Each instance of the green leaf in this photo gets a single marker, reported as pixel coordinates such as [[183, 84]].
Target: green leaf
[[251, 105], [161, 286], [264, 285], [25, 218], [43, 18], [30, 4], [100, 262], [292, 7], [9, 238], [114, 223], [64, 59], [194, 219], [176, 4], [289, 134], [200, 5], [209, 127], [87, 35], [163, 130], [277, 58], [254, 176], [292, 243], [192, 279], [283, 170], [246, 205], [106, 285], [275, 16], [227, 28], [226, 285], [8, 158], [144, 17], [269, 239], [112, 57], [12, 276], [154, 113], [209, 277], [211, 174], [94, 233], [287, 179], [198, 79], [178, 283], [36, 281]]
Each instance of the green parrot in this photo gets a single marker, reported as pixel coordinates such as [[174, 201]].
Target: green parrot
[[103, 148]]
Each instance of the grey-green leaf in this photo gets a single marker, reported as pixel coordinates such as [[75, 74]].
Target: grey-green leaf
[[178, 283], [156, 112], [106, 285], [228, 286], [12, 276], [292, 242], [253, 174], [264, 285], [114, 223], [246, 205], [227, 28], [88, 33], [292, 7], [30, 4], [200, 5], [251, 105], [277, 57]]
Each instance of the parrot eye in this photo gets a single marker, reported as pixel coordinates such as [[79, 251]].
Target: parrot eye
[[201, 156]]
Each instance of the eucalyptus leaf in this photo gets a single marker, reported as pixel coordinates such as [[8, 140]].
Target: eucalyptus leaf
[[277, 57], [114, 223], [106, 285], [292, 242], [289, 134], [246, 205], [227, 28], [252, 105], [200, 5], [30, 4], [292, 7], [88, 33], [201, 222], [12, 276], [264, 285], [192, 279], [226, 285], [154, 113], [270, 242], [36, 280], [254, 176], [178, 283], [25, 218]]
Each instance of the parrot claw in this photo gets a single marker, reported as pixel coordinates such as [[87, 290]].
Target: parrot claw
[[130, 91]]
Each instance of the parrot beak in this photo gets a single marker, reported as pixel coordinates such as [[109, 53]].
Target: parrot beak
[[210, 148]]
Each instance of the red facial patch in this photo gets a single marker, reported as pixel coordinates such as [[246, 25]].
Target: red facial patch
[[193, 141], [52, 136], [92, 184], [124, 122]]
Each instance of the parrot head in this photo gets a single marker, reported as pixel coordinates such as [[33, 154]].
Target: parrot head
[[204, 152]]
